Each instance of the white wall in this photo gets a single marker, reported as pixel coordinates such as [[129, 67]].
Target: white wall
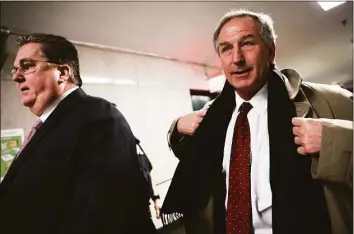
[[157, 92]]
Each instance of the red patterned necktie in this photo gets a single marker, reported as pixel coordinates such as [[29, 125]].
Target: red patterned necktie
[[34, 128], [238, 218]]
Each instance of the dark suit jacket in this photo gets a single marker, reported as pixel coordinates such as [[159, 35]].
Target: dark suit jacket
[[78, 174]]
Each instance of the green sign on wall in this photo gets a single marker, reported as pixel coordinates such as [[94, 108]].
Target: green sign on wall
[[11, 141]]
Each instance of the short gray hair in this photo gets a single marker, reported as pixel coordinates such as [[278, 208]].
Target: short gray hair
[[267, 32]]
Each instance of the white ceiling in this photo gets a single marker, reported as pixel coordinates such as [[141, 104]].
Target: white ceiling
[[309, 39]]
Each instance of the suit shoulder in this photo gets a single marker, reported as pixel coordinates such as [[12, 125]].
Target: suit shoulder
[[340, 100], [97, 105], [97, 101], [330, 91], [98, 109]]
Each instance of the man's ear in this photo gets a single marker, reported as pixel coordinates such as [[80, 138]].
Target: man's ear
[[63, 73]]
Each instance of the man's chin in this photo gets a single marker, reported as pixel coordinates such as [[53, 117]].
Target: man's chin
[[242, 84], [27, 103]]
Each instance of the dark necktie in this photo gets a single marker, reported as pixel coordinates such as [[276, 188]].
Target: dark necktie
[[238, 218], [34, 128]]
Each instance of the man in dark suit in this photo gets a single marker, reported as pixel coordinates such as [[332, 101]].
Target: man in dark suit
[[79, 172], [271, 155]]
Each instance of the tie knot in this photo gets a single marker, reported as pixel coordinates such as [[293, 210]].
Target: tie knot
[[37, 124], [245, 108]]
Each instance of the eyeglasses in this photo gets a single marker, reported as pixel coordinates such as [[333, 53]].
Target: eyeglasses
[[27, 66]]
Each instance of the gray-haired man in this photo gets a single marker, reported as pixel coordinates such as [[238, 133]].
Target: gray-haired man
[[260, 160]]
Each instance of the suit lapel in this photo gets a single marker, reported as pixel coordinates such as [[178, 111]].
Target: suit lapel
[[64, 106], [293, 84], [318, 102], [306, 102], [303, 109]]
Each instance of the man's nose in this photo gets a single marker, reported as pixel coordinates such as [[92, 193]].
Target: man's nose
[[18, 77], [238, 57]]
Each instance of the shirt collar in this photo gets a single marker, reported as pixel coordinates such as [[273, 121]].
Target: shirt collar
[[51, 107], [259, 101]]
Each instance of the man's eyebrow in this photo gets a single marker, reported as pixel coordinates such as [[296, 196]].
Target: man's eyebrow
[[19, 62], [23, 60], [247, 37], [225, 43]]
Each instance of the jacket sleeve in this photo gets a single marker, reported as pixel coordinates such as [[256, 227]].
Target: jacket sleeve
[[335, 161], [177, 141]]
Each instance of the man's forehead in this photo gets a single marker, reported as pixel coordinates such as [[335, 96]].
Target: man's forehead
[[30, 50], [239, 27]]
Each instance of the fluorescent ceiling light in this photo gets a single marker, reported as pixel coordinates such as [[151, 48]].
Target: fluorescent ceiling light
[[329, 5]]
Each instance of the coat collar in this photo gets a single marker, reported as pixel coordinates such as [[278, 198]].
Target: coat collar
[[293, 81]]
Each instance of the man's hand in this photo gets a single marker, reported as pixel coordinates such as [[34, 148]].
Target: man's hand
[[157, 208], [187, 124], [308, 134]]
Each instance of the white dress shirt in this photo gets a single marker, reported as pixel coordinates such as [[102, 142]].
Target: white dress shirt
[[54, 105], [261, 194]]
